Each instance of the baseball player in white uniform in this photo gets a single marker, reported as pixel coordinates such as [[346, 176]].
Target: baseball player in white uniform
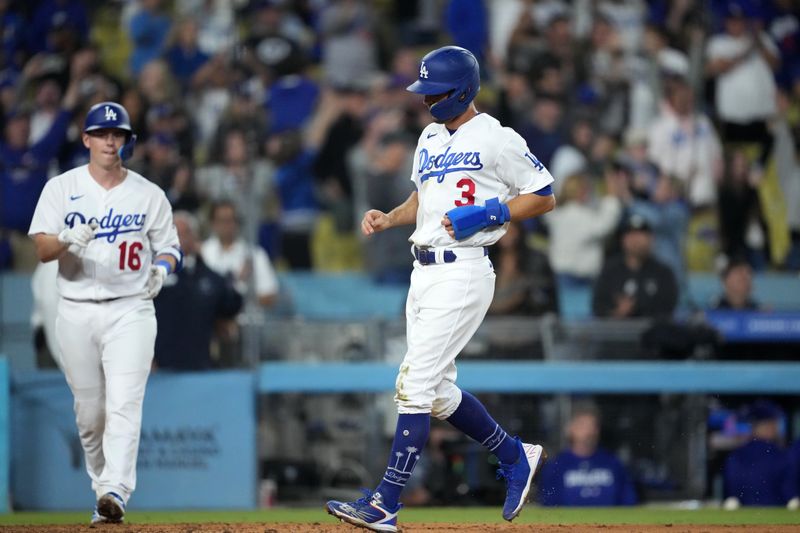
[[472, 176], [111, 231]]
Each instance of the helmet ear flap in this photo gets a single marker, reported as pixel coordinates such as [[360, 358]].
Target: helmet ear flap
[[126, 150]]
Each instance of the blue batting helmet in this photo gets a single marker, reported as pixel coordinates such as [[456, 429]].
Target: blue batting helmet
[[450, 70], [111, 115]]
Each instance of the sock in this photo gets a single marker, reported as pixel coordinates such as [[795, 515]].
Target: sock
[[472, 418], [409, 439]]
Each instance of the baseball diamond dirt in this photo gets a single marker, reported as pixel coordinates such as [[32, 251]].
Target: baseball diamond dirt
[[321, 527]]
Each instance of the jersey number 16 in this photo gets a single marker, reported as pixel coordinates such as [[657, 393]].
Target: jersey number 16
[[130, 255]]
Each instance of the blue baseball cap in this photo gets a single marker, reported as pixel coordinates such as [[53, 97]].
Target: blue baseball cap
[[744, 9], [162, 139], [762, 410]]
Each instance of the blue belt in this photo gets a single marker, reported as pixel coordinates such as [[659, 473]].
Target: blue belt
[[427, 256]]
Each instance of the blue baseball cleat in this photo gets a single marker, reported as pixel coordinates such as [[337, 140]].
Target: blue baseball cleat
[[518, 477], [367, 512], [110, 508]]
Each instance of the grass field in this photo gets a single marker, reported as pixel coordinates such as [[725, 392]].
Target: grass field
[[531, 515]]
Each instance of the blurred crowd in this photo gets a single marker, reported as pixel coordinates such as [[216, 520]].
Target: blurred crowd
[[672, 128], [683, 116]]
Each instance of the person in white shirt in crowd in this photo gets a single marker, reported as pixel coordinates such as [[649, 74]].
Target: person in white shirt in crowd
[[682, 143], [216, 21], [578, 230], [228, 254], [743, 59]]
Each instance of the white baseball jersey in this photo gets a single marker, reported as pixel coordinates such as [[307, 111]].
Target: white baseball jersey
[[481, 160], [135, 222]]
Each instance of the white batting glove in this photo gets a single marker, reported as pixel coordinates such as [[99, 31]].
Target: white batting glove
[[155, 280], [79, 234]]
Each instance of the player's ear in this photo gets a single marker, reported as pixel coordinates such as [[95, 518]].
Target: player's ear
[[85, 139]]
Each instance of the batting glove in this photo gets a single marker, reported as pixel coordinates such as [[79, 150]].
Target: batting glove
[[155, 280], [79, 234]]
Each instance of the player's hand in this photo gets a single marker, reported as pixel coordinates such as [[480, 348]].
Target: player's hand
[[448, 226], [155, 280], [79, 234], [375, 221]]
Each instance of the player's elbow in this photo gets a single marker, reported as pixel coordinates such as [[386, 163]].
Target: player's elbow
[[545, 205], [551, 203]]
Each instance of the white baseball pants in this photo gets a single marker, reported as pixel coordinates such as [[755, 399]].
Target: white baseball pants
[[106, 352], [446, 304]]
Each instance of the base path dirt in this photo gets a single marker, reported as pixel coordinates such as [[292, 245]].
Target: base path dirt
[[409, 528]]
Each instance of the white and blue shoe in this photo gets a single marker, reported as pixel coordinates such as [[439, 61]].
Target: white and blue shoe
[[97, 518], [368, 512], [518, 477], [110, 509]]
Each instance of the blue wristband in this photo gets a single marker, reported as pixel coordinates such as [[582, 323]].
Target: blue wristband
[[166, 264], [497, 213]]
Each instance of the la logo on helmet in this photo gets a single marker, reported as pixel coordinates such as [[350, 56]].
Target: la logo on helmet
[[423, 71], [110, 114]]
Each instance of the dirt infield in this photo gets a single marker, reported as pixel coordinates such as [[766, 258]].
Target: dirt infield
[[410, 528]]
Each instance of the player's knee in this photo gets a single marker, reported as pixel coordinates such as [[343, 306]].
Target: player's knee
[[443, 408], [412, 391], [448, 398], [411, 405]]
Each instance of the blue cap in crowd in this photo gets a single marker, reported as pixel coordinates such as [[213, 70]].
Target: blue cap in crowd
[[762, 410]]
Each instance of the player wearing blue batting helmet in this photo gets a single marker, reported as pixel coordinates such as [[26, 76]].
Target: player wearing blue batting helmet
[[449, 70], [111, 115]]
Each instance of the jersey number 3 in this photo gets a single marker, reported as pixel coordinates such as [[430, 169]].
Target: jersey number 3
[[467, 187], [130, 255]]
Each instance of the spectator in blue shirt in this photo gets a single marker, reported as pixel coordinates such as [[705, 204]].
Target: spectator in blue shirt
[[668, 216], [467, 22], [543, 127], [291, 101], [54, 16], [761, 472], [13, 36], [294, 178], [584, 474], [24, 171], [184, 56], [148, 29]]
